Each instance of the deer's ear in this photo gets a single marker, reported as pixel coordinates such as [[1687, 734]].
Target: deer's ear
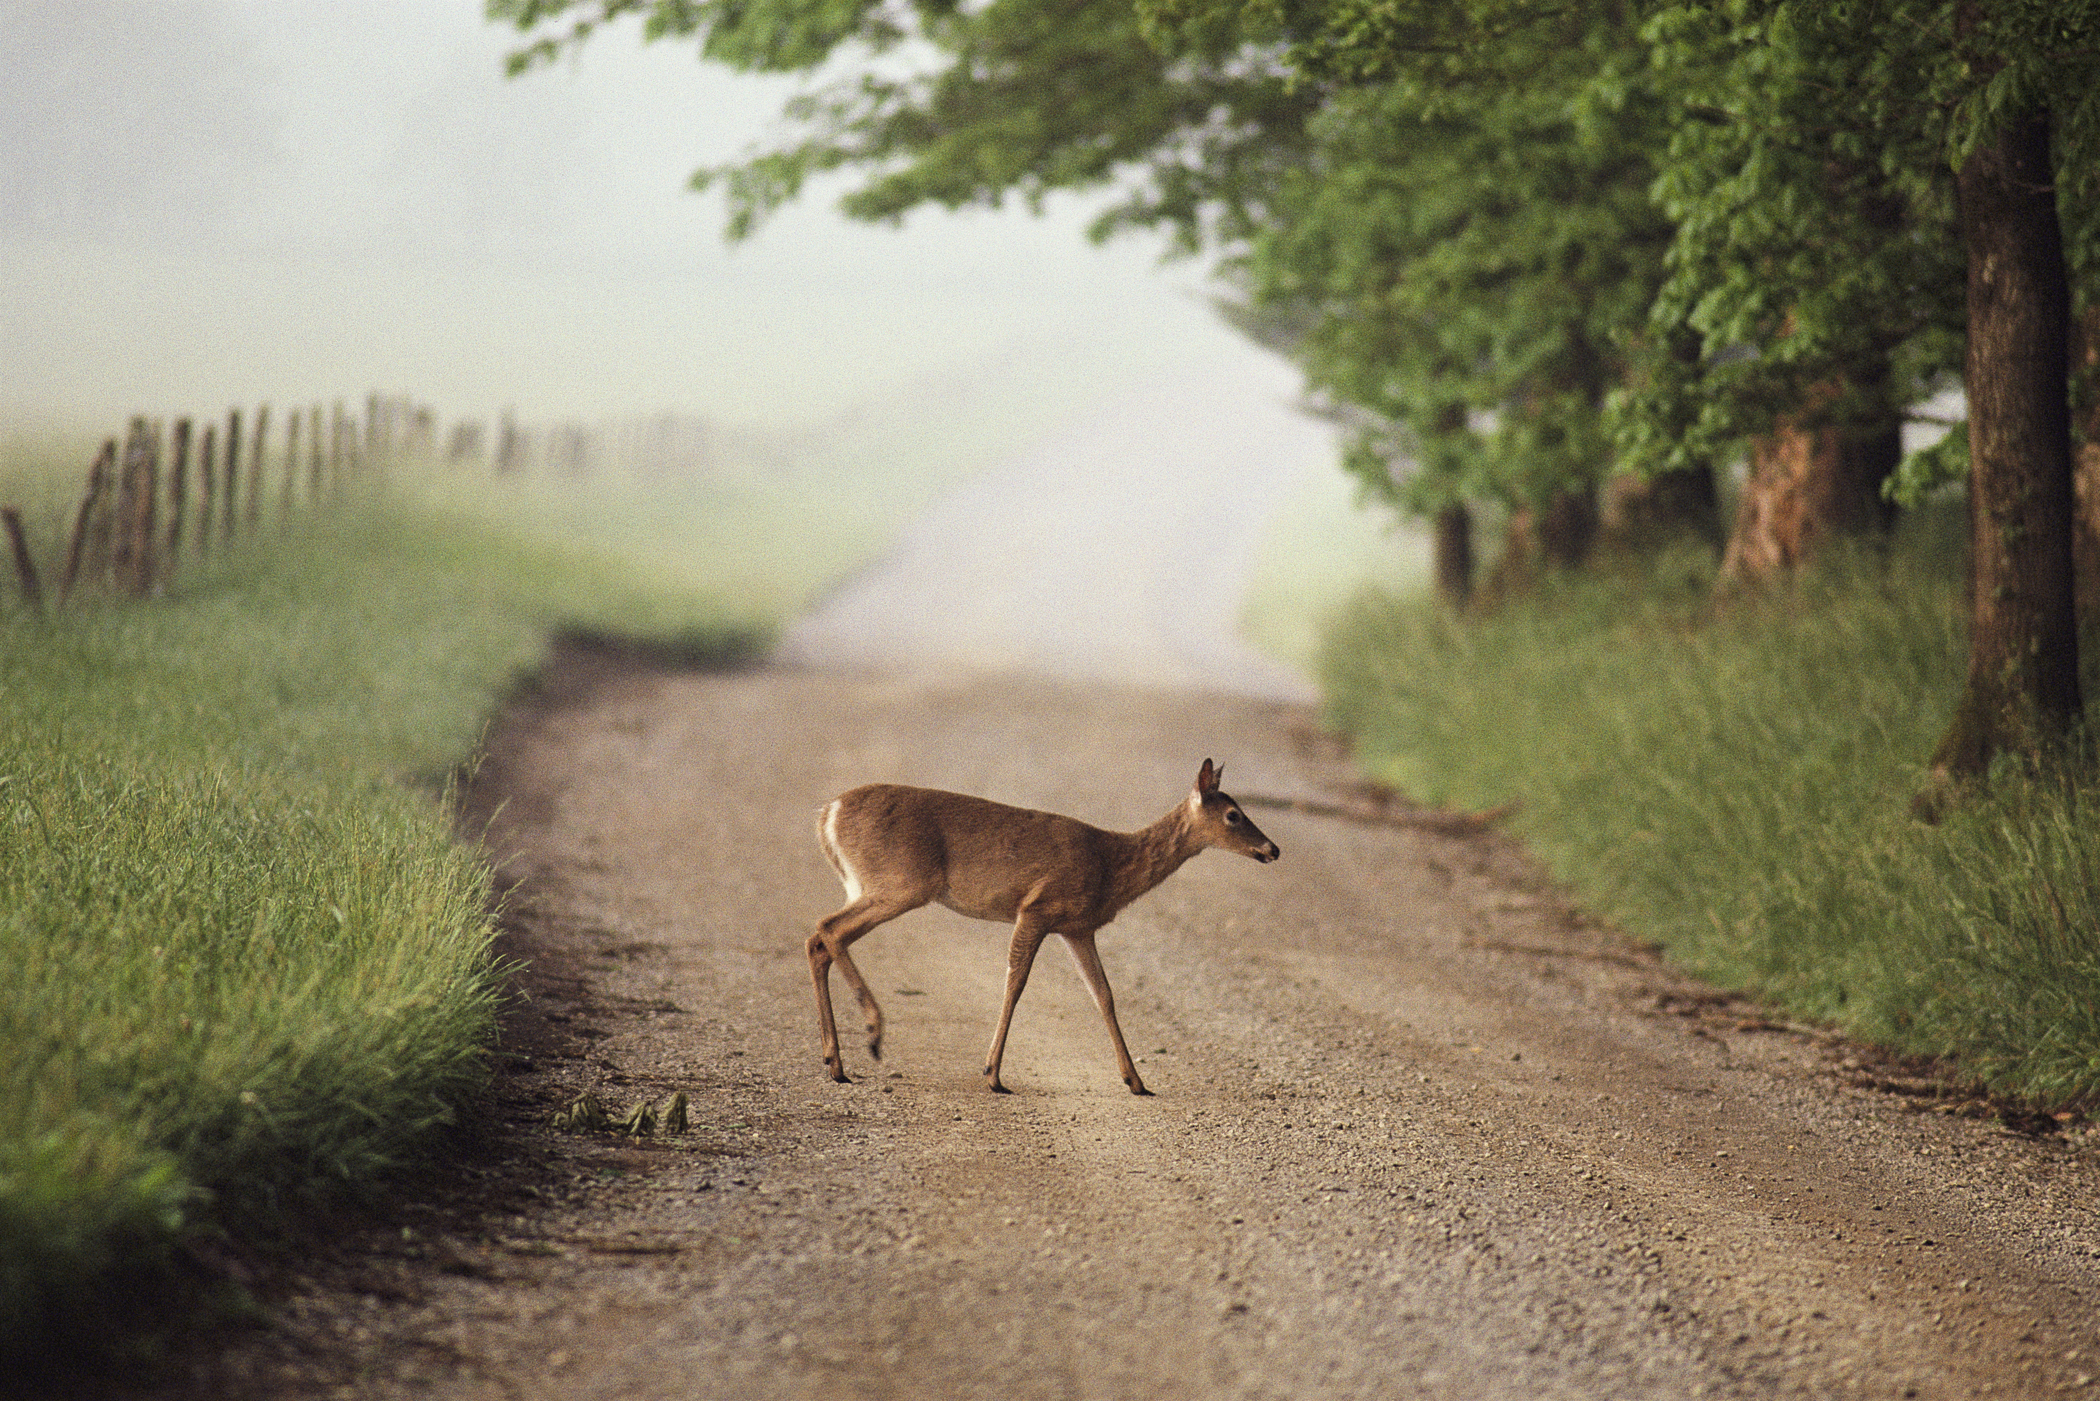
[[1208, 778]]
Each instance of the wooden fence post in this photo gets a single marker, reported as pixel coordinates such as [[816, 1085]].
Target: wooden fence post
[[291, 459], [206, 467], [145, 558], [130, 476], [255, 467], [335, 453], [233, 473], [98, 484], [178, 489], [25, 567]]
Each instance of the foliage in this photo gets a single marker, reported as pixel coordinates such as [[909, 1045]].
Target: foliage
[[1451, 239], [1484, 219], [1815, 273], [1016, 97], [1468, 251]]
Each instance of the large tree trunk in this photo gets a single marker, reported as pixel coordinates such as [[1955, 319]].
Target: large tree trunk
[[2022, 688], [1452, 559], [1807, 486]]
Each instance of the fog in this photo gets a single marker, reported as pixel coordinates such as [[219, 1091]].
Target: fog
[[210, 202], [215, 203]]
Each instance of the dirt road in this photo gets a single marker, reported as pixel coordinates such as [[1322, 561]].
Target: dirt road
[[1419, 1129]]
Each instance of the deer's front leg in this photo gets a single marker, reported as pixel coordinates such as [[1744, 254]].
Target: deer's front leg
[[1020, 957], [1088, 958]]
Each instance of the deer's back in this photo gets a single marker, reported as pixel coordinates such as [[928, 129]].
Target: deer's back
[[978, 857]]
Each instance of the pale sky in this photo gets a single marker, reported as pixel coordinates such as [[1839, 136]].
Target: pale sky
[[212, 202]]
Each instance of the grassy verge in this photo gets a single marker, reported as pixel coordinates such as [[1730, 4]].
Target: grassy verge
[[1735, 787], [247, 964]]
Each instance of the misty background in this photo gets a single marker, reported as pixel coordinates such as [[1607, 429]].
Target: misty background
[[207, 199], [210, 203]]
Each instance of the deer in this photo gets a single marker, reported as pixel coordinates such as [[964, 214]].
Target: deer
[[896, 848]]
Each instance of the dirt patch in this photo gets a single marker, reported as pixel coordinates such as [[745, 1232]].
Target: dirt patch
[[1421, 1127]]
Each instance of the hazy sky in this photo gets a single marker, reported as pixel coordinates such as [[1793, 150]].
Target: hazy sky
[[206, 202]]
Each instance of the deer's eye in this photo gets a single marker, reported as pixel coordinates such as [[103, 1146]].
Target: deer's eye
[[1232, 816]]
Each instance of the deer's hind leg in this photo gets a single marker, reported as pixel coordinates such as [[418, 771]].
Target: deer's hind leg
[[827, 946]]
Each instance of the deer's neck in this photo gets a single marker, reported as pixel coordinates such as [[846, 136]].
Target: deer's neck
[[1153, 854]]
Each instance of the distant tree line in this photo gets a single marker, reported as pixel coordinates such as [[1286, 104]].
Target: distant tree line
[[1561, 260]]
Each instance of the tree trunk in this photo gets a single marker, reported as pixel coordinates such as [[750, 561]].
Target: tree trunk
[[1534, 541], [1568, 529], [2022, 687], [2085, 472], [1806, 486], [1641, 514], [1452, 559]]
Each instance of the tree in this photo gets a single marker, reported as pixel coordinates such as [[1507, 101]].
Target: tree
[[2022, 689], [1456, 255], [1466, 242], [2006, 93], [1813, 290], [2016, 89]]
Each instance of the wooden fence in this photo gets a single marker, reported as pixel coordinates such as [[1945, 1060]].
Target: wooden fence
[[167, 494]]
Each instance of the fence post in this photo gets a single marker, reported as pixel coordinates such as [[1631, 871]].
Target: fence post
[[25, 567], [315, 455], [98, 484], [335, 452], [233, 473], [145, 513], [291, 459], [255, 466], [130, 474], [178, 489], [206, 467]]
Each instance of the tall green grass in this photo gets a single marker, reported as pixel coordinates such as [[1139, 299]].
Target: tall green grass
[[1733, 783], [246, 964]]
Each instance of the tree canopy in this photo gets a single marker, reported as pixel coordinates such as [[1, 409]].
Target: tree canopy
[[1527, 245]]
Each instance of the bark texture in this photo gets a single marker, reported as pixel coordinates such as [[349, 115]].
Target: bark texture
[[1808, 485], [1452, 557], [2085, 468], [2022, 686]]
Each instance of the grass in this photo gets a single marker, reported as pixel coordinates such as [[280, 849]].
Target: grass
[[1734, 784], [248, 967], [249, 963]]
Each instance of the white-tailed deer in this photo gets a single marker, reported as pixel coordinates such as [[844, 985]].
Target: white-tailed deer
[[898, 848]]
